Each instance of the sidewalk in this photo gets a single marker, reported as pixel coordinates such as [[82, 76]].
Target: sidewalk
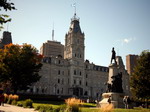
[[12, 108]]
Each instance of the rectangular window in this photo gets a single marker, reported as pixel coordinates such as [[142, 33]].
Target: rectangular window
[[58, 72], [68, 81], [80, 73], [74, 81], [58, 80], [86, 84], [86, 76], [74, 72]]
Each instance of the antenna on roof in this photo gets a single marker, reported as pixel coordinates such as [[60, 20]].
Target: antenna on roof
[[7, 25], [53, 32]]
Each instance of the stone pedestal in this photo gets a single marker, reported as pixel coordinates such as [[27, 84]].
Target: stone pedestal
[[116, 99], [113, 70]]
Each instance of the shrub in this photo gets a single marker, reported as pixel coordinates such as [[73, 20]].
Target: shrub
[[5, 98], [28, 103], [107, 108], [73, 104], [9, 98], [20, 104], [14, 102], [45, 108]]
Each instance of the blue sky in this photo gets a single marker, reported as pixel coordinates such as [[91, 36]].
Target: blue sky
[[123, 24]]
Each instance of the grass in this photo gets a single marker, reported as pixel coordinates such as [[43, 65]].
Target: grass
[[115, 110], [54, 104], [86, 107]]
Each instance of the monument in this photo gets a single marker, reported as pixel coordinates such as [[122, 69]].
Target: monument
[[114, 91]]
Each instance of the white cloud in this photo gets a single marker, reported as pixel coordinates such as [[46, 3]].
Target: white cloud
[[126, 40]]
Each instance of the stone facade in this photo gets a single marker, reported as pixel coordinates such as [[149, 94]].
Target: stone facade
[[72, 75]]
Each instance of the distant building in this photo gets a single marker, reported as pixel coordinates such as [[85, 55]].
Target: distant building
[[6, 39], [131, 61], [52, 48]]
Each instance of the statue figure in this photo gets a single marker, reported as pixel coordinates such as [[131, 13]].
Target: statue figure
[[108, 87], [113, 56], [117, 83]]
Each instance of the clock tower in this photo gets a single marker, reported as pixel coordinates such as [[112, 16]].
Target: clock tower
[[74, 52], [74, 41]]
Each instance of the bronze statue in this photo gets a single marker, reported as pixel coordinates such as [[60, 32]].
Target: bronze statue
[[113, 56], [108, 87], [117, 83]]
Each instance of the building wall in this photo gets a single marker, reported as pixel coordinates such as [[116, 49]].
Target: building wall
[[131, 61], [56, 79], [6, 39], [52, 48]]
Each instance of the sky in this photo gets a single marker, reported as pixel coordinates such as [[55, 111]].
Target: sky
[[122, 24]]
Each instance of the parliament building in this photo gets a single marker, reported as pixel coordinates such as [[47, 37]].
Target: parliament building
[[66, 72]]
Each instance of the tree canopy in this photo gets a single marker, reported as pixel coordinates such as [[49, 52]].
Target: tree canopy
[[140, 79], [19, 65], [4, 4]]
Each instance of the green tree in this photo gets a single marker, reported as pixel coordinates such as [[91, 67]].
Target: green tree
[[140, 79], [19, 66], [6, 6]]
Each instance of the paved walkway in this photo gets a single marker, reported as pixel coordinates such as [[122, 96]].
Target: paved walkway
[[11, 108]]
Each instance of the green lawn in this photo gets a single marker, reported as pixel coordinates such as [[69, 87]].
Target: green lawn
[[54, 104], [86, 107], [115, 110]]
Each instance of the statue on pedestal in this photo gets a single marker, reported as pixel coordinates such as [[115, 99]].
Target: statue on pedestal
[[113, 85]]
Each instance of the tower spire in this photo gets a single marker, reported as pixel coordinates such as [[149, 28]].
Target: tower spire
[[74, 5], [75, 15], [53, 32]]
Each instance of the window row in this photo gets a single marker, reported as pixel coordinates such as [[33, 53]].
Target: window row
[[78, 55], [97, 68], [79, 82], [62, 72], [61, 81], [77, 72]]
